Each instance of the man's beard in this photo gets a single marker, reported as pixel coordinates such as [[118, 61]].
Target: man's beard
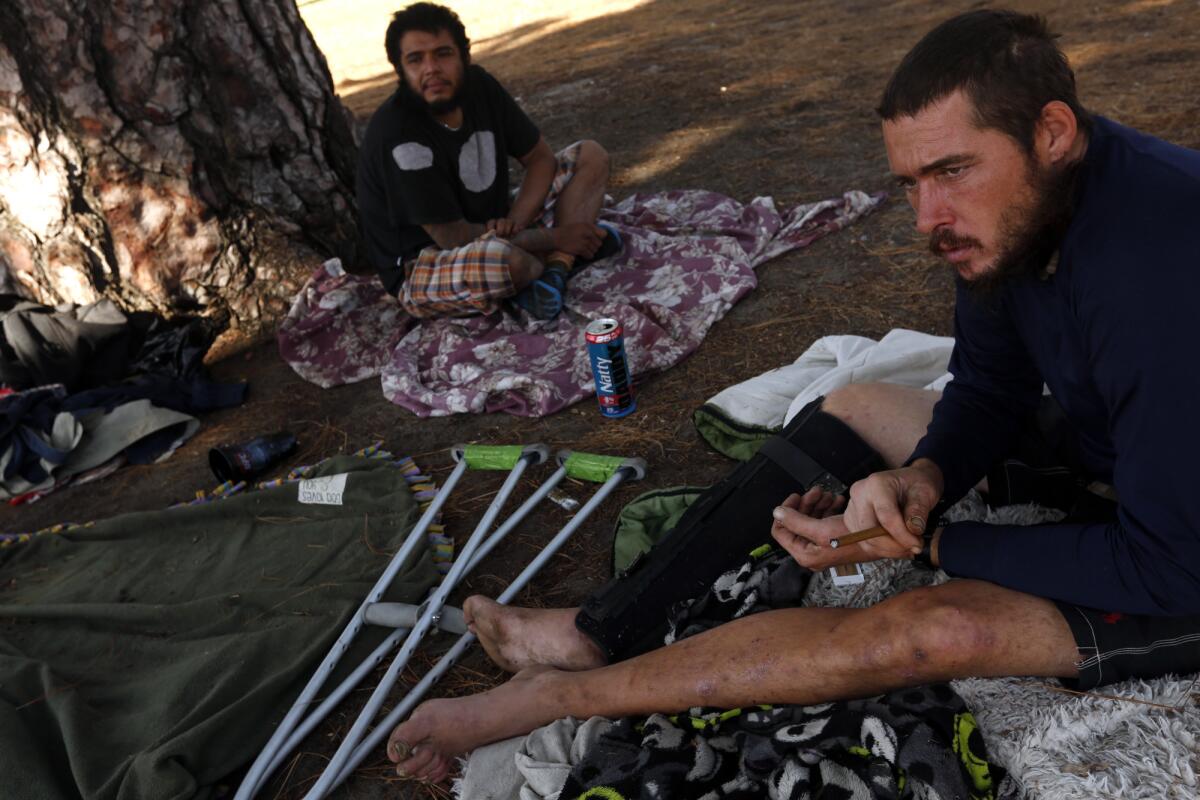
[[436, 109], [1030, 233]]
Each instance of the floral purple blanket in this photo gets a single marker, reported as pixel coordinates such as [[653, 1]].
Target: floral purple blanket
[[688, 257]]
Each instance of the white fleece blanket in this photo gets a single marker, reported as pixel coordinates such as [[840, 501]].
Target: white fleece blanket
[[902, 356]]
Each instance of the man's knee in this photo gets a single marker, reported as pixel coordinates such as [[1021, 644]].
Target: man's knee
[[889, 417], [926, 635], [592, 158]]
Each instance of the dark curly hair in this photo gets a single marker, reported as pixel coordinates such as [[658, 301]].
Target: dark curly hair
[[427, 17], [1008, 64]]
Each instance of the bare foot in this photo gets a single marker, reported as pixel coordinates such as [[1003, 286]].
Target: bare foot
[[517, 638], [438, 731]]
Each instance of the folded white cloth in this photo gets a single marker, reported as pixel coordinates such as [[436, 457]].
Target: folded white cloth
[[903, 356]]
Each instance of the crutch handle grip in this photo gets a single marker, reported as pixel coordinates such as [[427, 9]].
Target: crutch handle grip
[[499, 457], [597, 468], [405, 615]]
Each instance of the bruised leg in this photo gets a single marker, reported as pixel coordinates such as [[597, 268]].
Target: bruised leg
[[802, 656]]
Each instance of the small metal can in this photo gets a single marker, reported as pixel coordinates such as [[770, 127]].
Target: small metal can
[[606, 349]]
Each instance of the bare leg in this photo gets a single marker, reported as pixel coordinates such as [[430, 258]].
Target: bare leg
[[431, 756], [582, 197], [889, 417], [805, 656]]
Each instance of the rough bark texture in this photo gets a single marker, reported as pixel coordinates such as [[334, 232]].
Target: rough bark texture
[[170, 154]]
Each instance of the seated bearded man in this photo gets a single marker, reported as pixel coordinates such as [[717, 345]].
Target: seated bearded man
[[433, 189]]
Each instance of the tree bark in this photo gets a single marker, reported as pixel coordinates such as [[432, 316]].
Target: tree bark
[[175, 155]]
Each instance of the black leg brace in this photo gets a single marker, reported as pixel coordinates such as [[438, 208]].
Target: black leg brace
[[628, 615]]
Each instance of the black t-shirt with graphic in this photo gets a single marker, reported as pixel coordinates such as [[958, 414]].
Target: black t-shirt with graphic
[[414, 171]]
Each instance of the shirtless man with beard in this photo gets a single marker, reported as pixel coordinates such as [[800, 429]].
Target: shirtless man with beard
[[1077, 259]]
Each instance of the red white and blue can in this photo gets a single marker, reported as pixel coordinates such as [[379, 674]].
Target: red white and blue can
[[610, 369]]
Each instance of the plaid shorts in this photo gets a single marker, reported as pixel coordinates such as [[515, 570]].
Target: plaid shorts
[[474, 278]]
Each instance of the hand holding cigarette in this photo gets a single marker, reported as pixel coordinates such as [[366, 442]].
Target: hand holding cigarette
[[858, 536]]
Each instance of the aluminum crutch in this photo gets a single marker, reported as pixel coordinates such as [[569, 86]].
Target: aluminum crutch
[[258, 769], [612, 471], [292, 728], [478, 458], [402, 617]]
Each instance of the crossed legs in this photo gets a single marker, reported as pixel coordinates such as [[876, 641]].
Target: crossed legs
[[578, 201]]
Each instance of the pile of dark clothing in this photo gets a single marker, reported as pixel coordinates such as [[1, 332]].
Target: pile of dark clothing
[[86, 389]]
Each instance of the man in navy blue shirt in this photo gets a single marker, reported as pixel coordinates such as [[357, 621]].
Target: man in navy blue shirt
[[1077, 256]]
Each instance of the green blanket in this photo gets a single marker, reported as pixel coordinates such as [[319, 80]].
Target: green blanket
[[727, 435], [149, 655], [647, 519]]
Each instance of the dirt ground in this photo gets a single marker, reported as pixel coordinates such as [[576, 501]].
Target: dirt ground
[[774, 97]]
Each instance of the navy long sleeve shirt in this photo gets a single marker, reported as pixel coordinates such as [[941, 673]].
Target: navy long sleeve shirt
[[1113, 334]]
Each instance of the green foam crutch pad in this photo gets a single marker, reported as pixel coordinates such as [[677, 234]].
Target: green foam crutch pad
[[592, 467], [493, 457]]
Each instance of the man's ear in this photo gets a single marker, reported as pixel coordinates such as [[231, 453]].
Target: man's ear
[[1057, 132]]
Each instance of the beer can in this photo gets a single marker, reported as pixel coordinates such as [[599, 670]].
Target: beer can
[[610, 369]]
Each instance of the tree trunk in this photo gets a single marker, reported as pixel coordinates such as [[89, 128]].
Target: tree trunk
[[174, 155]]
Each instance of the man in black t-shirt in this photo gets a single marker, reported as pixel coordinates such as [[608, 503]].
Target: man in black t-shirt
[[433, 188]]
